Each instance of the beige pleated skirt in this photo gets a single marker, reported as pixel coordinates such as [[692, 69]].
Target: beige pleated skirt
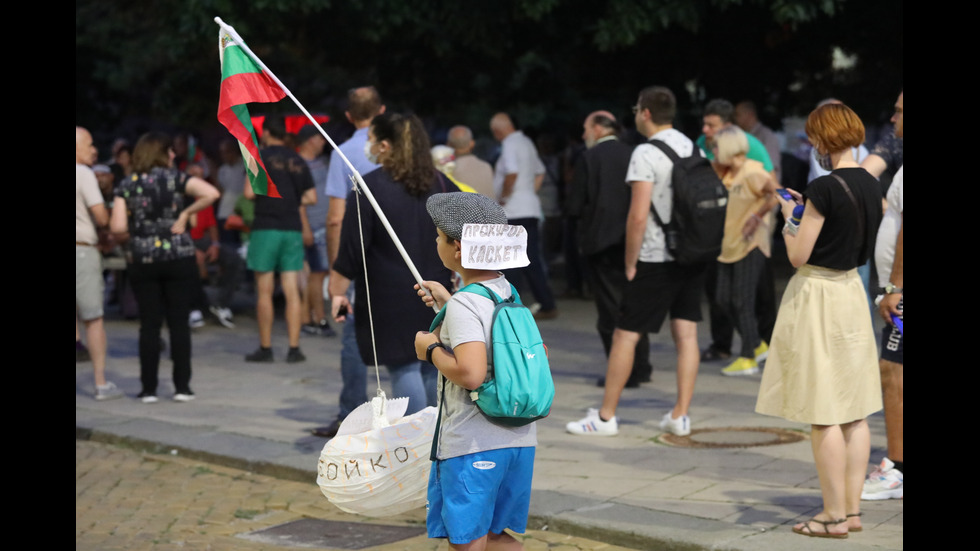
[[823, 362]]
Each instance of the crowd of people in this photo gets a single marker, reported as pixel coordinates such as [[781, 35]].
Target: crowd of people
[[182, 221]]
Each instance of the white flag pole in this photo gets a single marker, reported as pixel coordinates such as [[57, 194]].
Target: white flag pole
[[357, 175]]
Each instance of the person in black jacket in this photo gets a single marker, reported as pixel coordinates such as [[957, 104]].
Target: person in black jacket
[[407, 177], [600, 199]]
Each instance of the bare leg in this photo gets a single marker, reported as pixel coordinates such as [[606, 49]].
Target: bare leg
[[479, 544], [264, 285], [314, 293], [688, 360], [503, 542], [857, 439], [490, 542], [290, 288], [893, 393], [202, 265], [95, 336], [304, 292], [618, 370], [830, 455]]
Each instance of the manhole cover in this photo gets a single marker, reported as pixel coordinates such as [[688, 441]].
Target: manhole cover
[[317, 534], [733, 437]]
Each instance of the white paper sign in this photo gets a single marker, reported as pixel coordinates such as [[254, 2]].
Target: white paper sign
[[494, 247]]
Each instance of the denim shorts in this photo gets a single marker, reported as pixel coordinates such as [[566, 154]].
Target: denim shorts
[[316, 254]]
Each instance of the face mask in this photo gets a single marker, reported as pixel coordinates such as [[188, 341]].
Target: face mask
[[824, 161], [372, 158]]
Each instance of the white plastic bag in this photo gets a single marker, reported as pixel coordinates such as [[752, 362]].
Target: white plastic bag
[[378, 464]]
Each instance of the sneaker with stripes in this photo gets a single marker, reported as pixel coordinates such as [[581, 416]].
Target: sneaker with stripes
[[592, 425]]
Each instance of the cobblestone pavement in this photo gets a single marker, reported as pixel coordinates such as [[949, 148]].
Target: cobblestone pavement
[[135, 501]]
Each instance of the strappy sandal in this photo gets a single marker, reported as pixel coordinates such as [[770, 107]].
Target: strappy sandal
[[859, 528], [807, 531]]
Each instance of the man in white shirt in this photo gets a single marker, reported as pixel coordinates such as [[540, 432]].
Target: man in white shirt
[[90, 212], [888, 480], [657, 285], [518, 175]]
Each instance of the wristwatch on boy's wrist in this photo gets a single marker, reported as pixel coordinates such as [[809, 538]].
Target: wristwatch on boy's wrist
[[430, 348]]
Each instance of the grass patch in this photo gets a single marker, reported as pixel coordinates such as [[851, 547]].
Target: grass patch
[[247, 514]]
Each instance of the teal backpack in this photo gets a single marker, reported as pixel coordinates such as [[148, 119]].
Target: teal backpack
[[520, 390]]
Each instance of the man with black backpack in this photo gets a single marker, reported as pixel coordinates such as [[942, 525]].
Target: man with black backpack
[[657, 283]]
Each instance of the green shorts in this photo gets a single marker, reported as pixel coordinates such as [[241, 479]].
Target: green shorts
[[275, 251]]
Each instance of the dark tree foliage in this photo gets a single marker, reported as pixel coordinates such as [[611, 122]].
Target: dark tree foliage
[[548, 62]]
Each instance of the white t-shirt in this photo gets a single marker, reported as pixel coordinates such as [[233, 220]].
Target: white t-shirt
[[87, 195], [891, 223], [860, 154], [650, 164], [519, 156], [231, 178], [464, 428]]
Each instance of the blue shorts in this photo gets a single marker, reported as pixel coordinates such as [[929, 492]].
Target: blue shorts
[[475, 494]]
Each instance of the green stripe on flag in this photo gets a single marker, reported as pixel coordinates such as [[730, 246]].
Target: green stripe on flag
[[243, 82], [236, 61]]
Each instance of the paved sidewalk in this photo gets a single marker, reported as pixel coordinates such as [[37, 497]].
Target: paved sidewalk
[[139, 501], [631, 490]]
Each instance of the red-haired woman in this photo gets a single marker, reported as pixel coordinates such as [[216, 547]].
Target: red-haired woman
[[823, 367]]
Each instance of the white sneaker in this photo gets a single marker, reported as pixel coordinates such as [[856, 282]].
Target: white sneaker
[[680, 426], [592, 425], [108, 391], [183, 397], [885, 482], [196, 319], [223, 315]]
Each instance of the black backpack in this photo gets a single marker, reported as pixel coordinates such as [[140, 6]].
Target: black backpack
[[700, 200]]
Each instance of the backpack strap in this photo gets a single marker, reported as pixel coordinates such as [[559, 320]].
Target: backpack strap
[[674, 158], [483, 291], [435, 432], [668, 151], [437, 321], [514, 297]]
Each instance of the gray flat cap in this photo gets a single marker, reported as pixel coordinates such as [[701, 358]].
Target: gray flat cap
[[450, 211]]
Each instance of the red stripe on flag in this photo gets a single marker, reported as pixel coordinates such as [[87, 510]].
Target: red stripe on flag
[[240, 89], [248, 88], [231, 121]]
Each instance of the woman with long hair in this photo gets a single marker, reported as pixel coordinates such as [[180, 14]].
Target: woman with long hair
[[151, 211], [407, 177], [823, 365]]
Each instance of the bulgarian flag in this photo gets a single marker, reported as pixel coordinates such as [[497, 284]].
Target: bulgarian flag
[[242, 82]]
